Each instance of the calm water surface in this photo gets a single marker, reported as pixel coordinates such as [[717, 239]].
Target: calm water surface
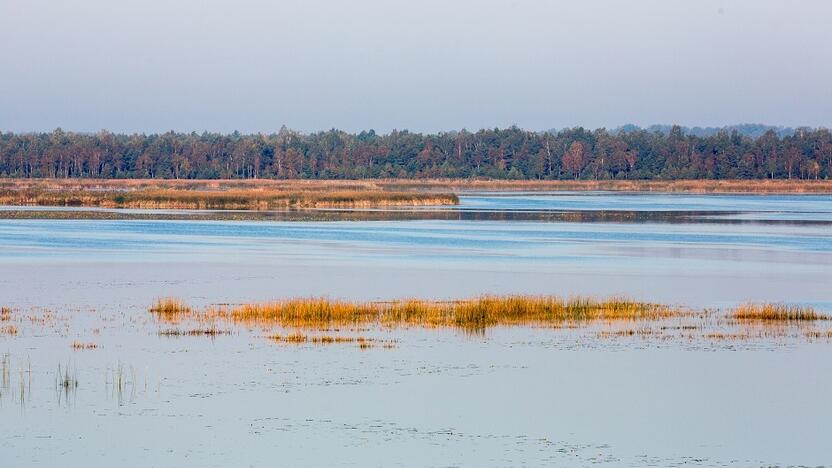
[[511, 397]]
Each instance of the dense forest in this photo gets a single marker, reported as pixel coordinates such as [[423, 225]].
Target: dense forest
[[510, 153]]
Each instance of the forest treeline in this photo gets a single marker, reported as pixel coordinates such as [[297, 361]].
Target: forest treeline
[[510, 153]]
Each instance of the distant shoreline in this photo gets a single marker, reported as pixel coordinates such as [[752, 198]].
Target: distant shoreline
[[736, 186], [383, 191]]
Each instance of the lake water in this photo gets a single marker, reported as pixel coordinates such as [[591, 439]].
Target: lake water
[[514, 396]]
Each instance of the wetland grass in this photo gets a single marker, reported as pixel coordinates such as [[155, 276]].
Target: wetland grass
[[170, 308], [300, 338], [66, 379], [294, 338], [229, 197], [210, 332], [622, 318], [24, 379], [474, 314], [668, 186], [119, 380], [818, 334], [5, 370], [776, 313], [426, 185]]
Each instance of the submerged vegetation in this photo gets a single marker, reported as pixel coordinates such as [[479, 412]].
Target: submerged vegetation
[[119, 380], [210, 331], [5, 371], [24, 380], [66, 378], [300, 338]]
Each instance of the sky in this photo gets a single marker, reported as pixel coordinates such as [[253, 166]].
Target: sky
[[426, 65]]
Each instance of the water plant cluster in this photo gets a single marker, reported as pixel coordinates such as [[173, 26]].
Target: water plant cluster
[[777, 313], [613, 318], [301, 338], [477, 313]]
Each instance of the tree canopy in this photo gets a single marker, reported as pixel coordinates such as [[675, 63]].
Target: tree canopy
[[510, 153]]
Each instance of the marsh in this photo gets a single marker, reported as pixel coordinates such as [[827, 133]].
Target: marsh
[[78, 292]]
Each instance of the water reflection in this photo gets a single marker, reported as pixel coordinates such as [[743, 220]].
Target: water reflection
[[552, 216], [538, 207]]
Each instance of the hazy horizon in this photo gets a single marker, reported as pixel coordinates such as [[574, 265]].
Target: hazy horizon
[[253, 65], [663, 128]]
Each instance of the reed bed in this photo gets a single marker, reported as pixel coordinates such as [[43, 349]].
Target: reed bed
[[680, 186], [230, 199], [418, 185], [478, 313], [5, 314], [10, 330], [103, 185], [622, 318], [776, 313]]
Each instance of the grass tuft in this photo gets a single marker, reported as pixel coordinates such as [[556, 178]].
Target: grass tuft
[[170, 308], [66, 378], [78, 345]]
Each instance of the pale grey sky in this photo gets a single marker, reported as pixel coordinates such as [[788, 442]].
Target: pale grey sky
[[426, 65]]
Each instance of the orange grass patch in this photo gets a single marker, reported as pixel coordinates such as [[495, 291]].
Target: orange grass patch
[[775, 313], [479, 313]]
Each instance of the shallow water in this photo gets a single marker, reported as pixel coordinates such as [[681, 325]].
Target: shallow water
[[702, 262], [513, 396]]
